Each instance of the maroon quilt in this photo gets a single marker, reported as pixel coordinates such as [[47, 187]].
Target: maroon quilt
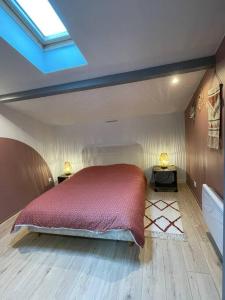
[[98, 198]]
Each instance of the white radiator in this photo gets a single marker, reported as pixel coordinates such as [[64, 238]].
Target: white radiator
[[212, 207]]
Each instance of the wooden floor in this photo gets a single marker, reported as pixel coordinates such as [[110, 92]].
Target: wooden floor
[[55, 267]]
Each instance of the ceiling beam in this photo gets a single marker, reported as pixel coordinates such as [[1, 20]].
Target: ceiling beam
[[111, 80]]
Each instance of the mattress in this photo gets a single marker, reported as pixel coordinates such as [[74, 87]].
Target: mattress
[[97, 201], [114, 234]]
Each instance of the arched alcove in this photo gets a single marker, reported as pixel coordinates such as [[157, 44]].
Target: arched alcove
[[24, 175]]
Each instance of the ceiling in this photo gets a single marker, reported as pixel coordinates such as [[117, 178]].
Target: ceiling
[[123, 35], [155, 96]]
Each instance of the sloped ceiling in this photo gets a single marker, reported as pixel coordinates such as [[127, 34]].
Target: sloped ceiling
[[123, 35], [156, 96]]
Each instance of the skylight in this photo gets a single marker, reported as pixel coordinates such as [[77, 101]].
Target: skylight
[[44, 17], [40, 18], [49, 49]]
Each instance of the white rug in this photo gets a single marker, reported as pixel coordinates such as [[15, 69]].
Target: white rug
[[163, 220]]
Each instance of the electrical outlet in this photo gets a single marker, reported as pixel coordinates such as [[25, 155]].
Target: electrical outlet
[[195, 184], [49, 179]]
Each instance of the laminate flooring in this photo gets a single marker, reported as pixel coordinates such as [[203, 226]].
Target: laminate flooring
[[50, 267]]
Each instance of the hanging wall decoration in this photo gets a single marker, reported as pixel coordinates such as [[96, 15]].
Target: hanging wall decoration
[[214, 117], [201, 101], [192, 111]]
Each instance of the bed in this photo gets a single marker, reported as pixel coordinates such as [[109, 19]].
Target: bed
[[99, 201]]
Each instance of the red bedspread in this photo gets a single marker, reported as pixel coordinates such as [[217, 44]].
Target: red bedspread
[[98, 198]]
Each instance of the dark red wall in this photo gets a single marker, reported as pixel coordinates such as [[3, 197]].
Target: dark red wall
[[205, 165], [24, 175]]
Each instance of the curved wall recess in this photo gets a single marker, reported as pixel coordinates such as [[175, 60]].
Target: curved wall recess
[[24, 175]]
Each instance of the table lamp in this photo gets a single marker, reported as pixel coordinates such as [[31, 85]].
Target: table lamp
[[164, 160], [67, 168]]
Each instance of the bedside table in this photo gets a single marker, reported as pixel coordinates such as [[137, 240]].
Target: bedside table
[[165, 179], [63, 177]]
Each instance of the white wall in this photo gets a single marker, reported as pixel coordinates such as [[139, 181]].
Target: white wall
[[155, 133], [39, 136]]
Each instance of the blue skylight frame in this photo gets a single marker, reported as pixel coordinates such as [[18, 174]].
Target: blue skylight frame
[[45, 59], [33, 28]]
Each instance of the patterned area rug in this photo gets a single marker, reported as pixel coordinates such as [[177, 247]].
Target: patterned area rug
[[163, 220]]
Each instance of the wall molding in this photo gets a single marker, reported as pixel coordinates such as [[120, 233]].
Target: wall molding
[[115, 79]]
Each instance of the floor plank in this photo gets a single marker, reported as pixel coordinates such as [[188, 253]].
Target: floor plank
[[177, 284], [202, 287]]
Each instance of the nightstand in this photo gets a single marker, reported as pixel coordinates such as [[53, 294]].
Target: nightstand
[[165, 179], [63, 177]]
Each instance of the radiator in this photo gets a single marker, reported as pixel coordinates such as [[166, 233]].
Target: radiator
[[212, 207]]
